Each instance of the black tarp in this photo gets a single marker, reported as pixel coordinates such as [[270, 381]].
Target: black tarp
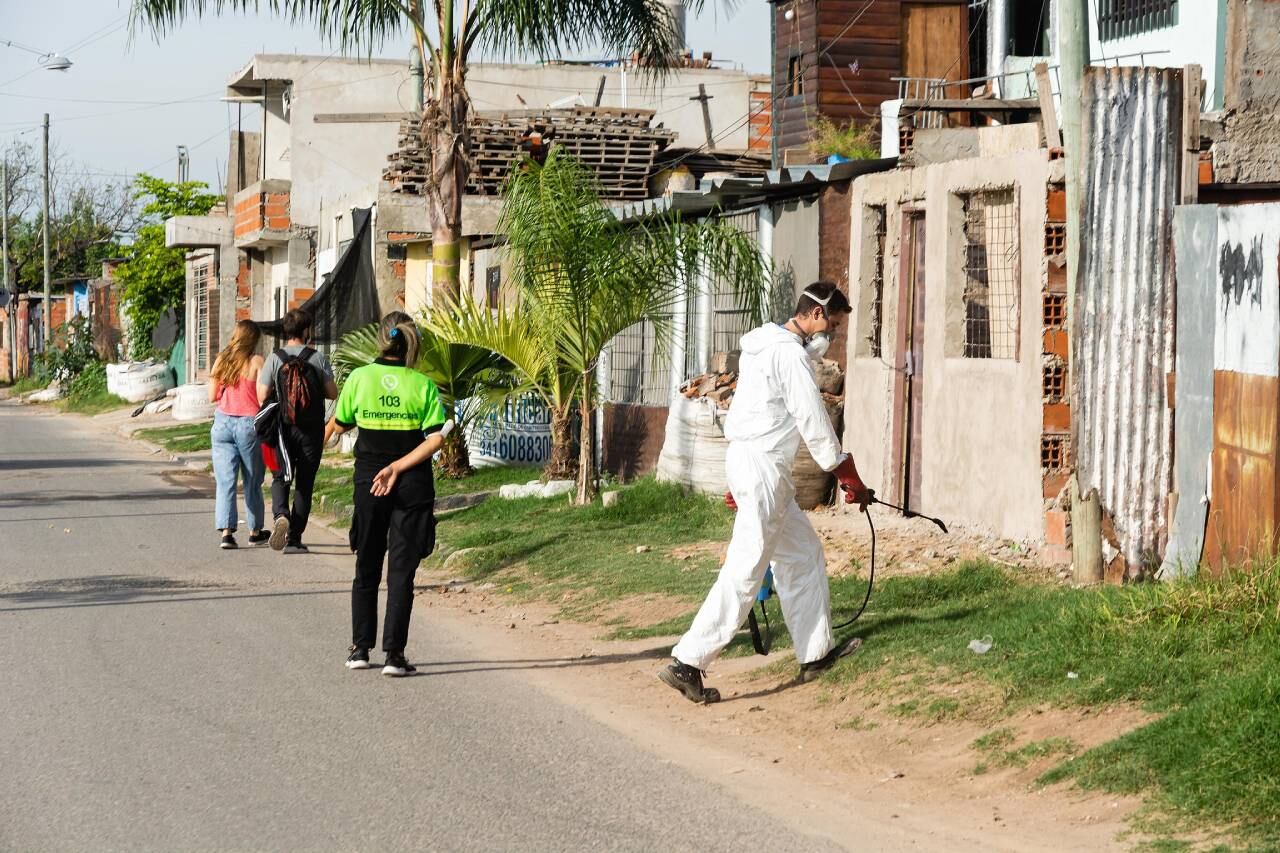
[[347, 299]]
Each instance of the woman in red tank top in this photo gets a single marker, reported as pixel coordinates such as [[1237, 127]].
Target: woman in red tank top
[[233, 386]]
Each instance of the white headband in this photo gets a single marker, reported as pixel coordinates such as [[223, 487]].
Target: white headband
[[817, 299]]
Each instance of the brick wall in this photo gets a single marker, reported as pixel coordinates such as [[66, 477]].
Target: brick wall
[[262, 211], [1055, 436]]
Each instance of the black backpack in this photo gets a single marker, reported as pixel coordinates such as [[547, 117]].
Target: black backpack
[[300, 389]]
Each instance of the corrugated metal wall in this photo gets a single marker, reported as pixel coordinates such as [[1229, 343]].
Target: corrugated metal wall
[[1124, 303]]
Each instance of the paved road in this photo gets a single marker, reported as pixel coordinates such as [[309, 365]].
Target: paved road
[[159, 694]]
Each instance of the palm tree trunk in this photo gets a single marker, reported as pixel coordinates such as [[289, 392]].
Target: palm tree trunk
[[587, 447], [562, 465], [455, 456], [445, 132]]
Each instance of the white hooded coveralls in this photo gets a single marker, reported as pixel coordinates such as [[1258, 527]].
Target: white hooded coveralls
[[777, 402]]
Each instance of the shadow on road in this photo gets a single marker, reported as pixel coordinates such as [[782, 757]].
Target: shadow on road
[[116, 590], [18, 499], [7, 464], [150, 514], [462, 667]]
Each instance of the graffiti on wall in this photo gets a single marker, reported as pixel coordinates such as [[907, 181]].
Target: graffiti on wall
[[1247, 338]]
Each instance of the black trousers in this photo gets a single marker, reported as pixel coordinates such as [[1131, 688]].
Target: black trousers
[[304, 447], [401, 527]]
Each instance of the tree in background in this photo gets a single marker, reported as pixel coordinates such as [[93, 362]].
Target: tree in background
[[152, 278], [504, 29], [87, 217], [581, 278]]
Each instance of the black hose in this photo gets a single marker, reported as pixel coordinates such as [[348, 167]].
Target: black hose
[[871, 577]]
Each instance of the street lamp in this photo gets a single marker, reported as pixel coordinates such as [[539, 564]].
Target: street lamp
[[51, 61]]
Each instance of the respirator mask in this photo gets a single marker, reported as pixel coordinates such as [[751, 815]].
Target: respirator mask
[[817, 344]]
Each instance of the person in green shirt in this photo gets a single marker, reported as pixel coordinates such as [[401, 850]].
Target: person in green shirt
[[402, 424]]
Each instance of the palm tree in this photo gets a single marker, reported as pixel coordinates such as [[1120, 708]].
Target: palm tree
[[582, 277], [473, 383], [502, 28]]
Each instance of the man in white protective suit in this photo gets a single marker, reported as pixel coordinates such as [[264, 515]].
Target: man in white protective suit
[[777, 403]]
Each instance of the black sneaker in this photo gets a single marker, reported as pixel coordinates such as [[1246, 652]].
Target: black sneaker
[[279, 534], [296, 548], [813, 670], [228, 542], [396, 666], [259, 537], [358, 659], [684, 678]]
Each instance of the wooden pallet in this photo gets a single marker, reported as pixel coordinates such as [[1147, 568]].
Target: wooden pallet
[[619, 145]]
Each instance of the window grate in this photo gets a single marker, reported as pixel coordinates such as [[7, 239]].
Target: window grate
[[1120, 18], [1053, 452], [200, 276], [991, 306], [639, 374], [729, 322], [1055, 239], [877, 281], [1055, 310], [1053, 384]]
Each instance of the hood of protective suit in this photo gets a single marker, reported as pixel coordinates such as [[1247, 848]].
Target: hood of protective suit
[[777, 401]]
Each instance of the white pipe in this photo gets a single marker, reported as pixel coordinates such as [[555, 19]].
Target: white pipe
[[997, 41]]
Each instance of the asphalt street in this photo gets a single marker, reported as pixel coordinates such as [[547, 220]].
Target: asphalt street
[[160, 694]]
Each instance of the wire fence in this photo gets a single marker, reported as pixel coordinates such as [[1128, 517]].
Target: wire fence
[[991, 308]]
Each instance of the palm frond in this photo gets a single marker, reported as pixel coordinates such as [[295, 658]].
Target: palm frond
[[510, 28], [362, 25]]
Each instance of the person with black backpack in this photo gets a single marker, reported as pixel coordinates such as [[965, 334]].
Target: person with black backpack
[[300, 379]]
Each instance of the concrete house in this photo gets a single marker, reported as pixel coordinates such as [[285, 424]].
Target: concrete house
[[288, 179]]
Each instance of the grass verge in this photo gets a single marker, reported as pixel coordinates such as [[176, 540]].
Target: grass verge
[[27, 384], [333, 490], [1200, 653], [182, 438]]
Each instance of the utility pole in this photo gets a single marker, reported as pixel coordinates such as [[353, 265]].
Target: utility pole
[[4, 262], [46, 308], [706, 114], [1073, 55], [184, 164]]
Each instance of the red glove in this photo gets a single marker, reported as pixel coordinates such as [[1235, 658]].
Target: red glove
[[730, 502], [855, 491]]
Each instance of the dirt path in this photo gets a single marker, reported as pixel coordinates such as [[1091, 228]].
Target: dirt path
[[887, 784]]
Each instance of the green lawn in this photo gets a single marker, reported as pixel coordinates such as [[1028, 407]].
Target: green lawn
[[1203, 655], [181, 438], [333, 483], [27, 383], [93, 403]]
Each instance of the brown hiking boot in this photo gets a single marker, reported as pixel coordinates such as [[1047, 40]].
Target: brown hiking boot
[[686, 679]]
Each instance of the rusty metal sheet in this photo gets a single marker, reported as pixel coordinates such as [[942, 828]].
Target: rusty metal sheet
[[1123, 325], [1245, 490]]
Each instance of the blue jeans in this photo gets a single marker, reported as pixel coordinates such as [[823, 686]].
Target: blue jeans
[[236, 451]]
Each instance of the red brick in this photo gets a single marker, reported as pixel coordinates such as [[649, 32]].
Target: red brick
[[276, 209], [1057, 279], [397, 269], [1206, 168], [1053, 484], [242, 314], [278, 223], [303, 292], [1055, 343], [1057, 417], [1055, 555], [1057, 207], [1057, 527]]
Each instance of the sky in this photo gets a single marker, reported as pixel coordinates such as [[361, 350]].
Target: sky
[[125, 106]]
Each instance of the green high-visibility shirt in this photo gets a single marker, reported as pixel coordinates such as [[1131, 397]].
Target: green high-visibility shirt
[[394, 406]]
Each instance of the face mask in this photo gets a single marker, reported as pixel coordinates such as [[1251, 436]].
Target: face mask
[[817, 344]]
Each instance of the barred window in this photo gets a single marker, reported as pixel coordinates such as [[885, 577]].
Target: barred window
[[639, 370], [729, 322], [991, 308], [1120, 18], [201, 274]]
